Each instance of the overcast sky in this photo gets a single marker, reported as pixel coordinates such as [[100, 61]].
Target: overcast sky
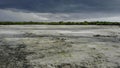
[[59, 10]]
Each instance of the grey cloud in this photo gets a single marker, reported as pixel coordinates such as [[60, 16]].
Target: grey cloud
[[62, 6], [9, 15]]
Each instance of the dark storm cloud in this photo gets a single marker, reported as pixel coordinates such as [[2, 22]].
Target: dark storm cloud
[[62, 6], [59, 10]]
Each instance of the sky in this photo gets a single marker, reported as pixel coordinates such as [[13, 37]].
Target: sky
[[60, 10]]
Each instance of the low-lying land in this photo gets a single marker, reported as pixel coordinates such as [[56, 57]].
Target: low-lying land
[[59, 46]]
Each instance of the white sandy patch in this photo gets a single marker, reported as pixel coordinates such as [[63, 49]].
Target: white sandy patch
[[10, 32]]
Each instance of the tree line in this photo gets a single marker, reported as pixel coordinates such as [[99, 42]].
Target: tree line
[[60, 23]]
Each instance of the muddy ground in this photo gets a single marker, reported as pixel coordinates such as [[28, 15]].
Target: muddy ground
[[59, 46]]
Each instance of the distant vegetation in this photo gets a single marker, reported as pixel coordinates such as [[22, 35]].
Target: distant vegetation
[[60, 23]]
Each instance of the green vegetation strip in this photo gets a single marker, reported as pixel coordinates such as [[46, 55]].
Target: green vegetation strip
[[60, 23]]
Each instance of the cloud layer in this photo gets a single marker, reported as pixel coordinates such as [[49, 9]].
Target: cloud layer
[[9, 15], [59, 10], [62, 5]]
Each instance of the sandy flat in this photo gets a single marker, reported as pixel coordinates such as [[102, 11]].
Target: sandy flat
[[60, 46]]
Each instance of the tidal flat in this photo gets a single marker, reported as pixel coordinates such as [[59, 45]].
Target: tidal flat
[[59, 46]]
